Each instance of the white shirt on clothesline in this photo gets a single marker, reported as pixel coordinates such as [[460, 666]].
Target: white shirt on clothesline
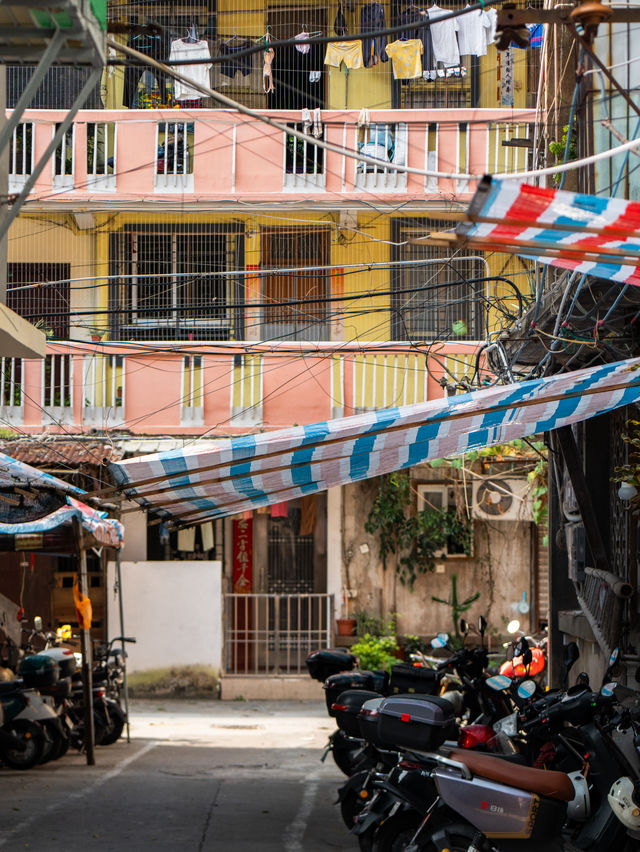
[[181, 50]]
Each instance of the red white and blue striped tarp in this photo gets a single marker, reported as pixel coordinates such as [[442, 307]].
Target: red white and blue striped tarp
[[587, 233], [244, 473]]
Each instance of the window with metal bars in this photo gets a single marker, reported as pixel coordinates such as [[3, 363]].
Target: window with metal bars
[[444, 305], [177, 282], [47, 307], [287, 249]]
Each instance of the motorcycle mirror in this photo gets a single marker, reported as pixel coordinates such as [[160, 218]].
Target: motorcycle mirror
[[613, 659], [464, 627], [513, 626], [608, 689], [37, 624], [482, 625], [499, 682], [571, 654], [521, 647], [582, 679], [440, 641], [526, 689]]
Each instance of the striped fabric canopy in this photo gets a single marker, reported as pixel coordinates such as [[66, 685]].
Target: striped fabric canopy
[[239, 474], [16, 473], [100, 529], [590, 234]]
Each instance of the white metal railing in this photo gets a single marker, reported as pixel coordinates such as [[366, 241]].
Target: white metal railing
[[102, 147], [384, 380], [57, 388], [64, 160], [459, 370], [103, 378], [388, 144], [504, 159], [192, 401], [246, 390], [303, 161], [20, 156], [269, 634], [431, 156], [174, 163], [11, 390]]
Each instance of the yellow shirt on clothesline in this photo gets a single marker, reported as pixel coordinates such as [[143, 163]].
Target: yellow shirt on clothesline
[[349, 52], [405, 58]]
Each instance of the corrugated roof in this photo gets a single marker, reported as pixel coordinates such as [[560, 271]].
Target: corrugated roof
[[56, 454]]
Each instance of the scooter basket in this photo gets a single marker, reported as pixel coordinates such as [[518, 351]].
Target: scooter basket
[[338, 683], [347, 707], [38, 670], [413, 679], [415, 722], [323, 664]]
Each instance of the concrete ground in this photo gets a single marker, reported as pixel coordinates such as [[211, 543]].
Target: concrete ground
[[197, 776]]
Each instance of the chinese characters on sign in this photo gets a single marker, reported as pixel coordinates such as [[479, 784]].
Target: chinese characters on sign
[[242, 555]]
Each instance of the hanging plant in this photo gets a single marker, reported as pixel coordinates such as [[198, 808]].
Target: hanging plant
[[418, 540]]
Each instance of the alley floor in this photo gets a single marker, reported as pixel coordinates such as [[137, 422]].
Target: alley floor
[[197, 776]]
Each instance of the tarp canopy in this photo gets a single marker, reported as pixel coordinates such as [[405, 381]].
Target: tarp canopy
[[14, 473], [587, 233], [243, 473], [53, 533]]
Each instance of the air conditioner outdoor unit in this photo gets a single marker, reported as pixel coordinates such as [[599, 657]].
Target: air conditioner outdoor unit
[[502, 499]]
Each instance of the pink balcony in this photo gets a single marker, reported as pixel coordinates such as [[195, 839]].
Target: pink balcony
[[221, 155], [216, 390]]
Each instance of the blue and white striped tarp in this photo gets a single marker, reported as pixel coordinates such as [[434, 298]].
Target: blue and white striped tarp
[[16, 473], [243, 473]]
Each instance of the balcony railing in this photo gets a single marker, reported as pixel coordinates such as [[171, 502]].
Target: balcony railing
[[223, 155], [114, 387]]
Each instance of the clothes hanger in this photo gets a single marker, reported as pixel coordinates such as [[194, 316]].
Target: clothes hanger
[[233, 37], [192, 35]]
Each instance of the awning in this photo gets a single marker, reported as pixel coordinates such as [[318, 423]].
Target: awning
[[54, 532], [587, 233], [247, 472], [14, 473]]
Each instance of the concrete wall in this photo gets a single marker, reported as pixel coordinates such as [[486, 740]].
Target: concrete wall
[[174, 609], [500, 568]]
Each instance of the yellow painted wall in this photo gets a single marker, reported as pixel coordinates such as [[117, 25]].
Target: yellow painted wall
[[490, 75]]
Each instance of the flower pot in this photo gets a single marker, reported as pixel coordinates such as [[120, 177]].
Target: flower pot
[[345, 626]]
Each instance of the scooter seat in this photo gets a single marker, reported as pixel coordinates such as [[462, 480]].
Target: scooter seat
[[545, 782], [7, 686]]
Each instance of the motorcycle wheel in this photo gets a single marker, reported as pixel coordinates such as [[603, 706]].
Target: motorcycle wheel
[[395, 834], [32, 736], [347, 754], [113, 729], [350, 807], [54, 741]]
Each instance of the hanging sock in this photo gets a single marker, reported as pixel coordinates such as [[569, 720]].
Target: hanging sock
[[306, 120], [364, 119], [317, 123], [314, 76]]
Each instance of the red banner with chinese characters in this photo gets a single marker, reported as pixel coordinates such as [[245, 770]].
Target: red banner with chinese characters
[[242, 555]]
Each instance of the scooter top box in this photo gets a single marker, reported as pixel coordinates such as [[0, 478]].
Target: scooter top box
[[406, 678], [323, 663], [376, 681], [421, 722], [368, 721], [346, 709], [39, 670]]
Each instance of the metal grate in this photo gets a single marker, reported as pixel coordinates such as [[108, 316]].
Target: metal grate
[[290, 556], [102, 145], [57, 387], [273, 633], [174, 156], [11, 391], [63, 162], [388, 144], [304, 161], [20, 156], [168, 282], [47, 307], [451, 311]]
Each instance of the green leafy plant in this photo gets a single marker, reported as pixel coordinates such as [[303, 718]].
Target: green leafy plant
[[414, 645], [558, 148], [375, 625], [457, 607], [376, 652], [419, 538]]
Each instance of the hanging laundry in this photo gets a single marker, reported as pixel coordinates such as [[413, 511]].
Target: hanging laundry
[[413, 15], [405, 58], [364, 117], [340, 24], [309, 515], [267, 72], [279, 510], [536, 34], [233, 63], [156, 47], [371, 20], [317, 123], [473, 32], [196, 50], [315, 76], [187, 539], [302, 48], [349, 52], [492, 14], [307, 121], [443, 33]]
